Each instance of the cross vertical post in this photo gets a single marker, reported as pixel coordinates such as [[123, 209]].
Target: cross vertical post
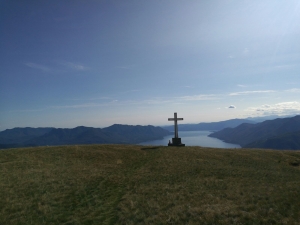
[[175, 125]]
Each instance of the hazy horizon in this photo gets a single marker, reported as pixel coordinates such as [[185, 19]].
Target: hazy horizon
[[162, 125], [97, 63]]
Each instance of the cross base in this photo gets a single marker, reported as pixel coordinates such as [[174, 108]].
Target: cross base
[[176, 142]]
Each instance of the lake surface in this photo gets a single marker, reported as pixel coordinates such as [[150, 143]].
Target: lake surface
[[194, 138]]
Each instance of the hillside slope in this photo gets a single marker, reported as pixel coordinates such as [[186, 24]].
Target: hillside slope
[[245, 134], [123, 184], [289, 141], [137, 133]]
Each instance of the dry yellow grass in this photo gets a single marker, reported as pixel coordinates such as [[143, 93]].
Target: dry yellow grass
[[123, 184]]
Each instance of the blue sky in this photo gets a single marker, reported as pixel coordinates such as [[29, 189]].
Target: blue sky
[[96, 63]]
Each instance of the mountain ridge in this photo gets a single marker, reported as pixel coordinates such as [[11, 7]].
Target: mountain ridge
[[211, 126], [115, 134], [254, 135]]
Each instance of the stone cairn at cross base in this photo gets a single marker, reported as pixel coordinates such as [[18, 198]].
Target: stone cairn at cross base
[[176, 141]]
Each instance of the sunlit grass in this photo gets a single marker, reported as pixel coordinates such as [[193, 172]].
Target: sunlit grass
[[123, 184]]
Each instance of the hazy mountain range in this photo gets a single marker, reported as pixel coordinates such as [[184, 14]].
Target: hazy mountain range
[[216, 126], [281, 133], [213, 126], [115, 134]]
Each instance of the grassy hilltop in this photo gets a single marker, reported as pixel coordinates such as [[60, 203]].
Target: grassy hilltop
[[123, 184]]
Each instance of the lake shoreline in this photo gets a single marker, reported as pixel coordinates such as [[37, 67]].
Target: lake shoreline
[[193, 138]]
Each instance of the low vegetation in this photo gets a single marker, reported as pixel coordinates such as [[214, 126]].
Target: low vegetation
[[124, 184]]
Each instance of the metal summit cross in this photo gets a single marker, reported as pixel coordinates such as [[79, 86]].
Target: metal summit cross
[[175, 119], [176, 141]]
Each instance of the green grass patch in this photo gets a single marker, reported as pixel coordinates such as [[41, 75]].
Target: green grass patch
[[124, 184]]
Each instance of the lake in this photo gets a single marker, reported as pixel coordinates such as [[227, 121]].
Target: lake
[[193, 138]]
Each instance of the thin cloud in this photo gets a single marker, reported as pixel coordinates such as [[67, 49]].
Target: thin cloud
[[246, 51], [27, 110], [89, 99], [37, 66], [178, 100], [127, 67], [109, 101], [84, 105], [130, 91], [294, 90], [197, 97], [155, 101], [69, 65], [283, 108], [75, 66], [266, 106], [251, 92], [101, 98]]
